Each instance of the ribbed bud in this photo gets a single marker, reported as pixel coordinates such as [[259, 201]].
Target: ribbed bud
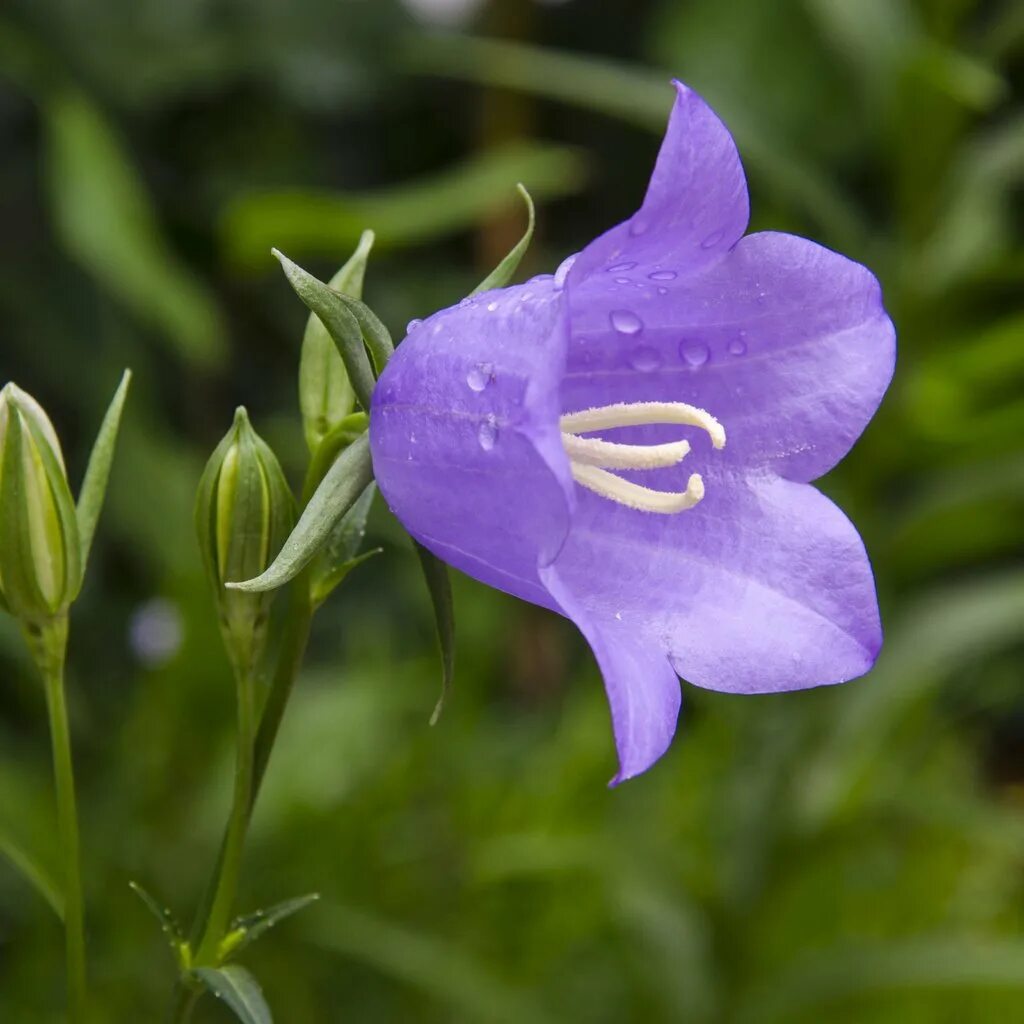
[[244, 513], [40, 553]]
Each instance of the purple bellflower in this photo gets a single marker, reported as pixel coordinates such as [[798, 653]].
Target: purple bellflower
[[630, 443]]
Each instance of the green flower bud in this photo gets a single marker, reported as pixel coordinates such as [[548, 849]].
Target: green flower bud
[[244, 512], [40, 552]]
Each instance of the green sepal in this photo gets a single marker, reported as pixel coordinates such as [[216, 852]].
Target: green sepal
[[350, 429], [246, 930], [180, 948], [325, 392], [340, 322], [340, 555], [239, 991], [97, 472], [339, 490], [375, 335], [502, 273], [439, 584]]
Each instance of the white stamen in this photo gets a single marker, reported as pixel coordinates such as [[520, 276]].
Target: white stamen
[[592, 451], [638, 414], [614, 488]]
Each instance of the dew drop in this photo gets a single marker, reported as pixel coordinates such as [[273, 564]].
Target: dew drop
[[712, 240], [737, 347], [645, 359], [637, 226], [487, 435], [694, 355], [663, 275], [625, 321], [621, 268], [622, 280], [563, 269], [492, 306], [663, 291], [412, 325], [480, 376]]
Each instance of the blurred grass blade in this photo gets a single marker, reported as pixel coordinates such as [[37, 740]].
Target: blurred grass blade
[[439, 584], [940, 963], [246, 930], [339, 321], [345, 481], [434, 967], [106, 221], [33, 872], [239, 990], [502, 273], [168, 925], [323, 223], [97, 473], [325, 392]]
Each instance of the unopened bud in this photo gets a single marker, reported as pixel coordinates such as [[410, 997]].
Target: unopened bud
[[40, 553], [244, 513]]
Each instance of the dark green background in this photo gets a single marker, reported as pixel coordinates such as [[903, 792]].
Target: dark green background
[[851, 855]]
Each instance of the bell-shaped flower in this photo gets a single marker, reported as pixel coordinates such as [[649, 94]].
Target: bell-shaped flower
[[631, 443]]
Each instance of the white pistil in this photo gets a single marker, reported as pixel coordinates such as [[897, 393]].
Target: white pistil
[[590, 458], [640, 414], [613, 487], [592, 451]]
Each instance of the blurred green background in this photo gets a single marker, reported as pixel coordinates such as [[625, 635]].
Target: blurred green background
[[854, 854]]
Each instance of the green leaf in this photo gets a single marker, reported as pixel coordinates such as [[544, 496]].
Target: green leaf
[[97, 473], [340, 322], [502, 273], [340, 555], [375, 334], [314, 223], [239, 990], [435, 572], [325, 392], [33, 872], [168, 925], [106, 221], [344, 482], [246, 930]]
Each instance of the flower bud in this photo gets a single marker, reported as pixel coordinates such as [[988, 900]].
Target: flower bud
[[244, 513], [40, 554]]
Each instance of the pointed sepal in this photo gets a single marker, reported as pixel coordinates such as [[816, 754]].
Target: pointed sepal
[[503, 272]]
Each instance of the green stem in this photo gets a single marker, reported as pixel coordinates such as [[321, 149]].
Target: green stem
[[49, 646], [185, 999], [238, 824]]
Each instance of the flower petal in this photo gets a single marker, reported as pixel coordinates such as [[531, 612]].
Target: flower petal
[[643, 690], [696, 207], [785, 342], [764, 586], [465, 441]]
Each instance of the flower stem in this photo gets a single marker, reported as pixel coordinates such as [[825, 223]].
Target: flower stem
[[49, 646]]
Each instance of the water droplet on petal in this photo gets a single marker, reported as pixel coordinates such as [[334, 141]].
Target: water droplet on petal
[[480, 376], [467, 302], [637, 226], [412, 325], [622, 280], [625, 321], [663, 275], [737, 347], [621, 268], [712, 240], [645, 359], [563, 269], [663, 291], [492, 306], [694, 354], [487, 435]]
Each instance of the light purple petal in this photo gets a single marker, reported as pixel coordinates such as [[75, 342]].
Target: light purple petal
[[696, 207], [464, 436], [763, 586], [785, 342], [643, 690]]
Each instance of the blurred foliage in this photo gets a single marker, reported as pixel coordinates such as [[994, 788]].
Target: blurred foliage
[[853, 854]]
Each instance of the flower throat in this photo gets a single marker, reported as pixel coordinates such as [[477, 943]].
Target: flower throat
[[591, 458]]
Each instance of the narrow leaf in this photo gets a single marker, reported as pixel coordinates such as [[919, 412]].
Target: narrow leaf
[[340, 554], [337, 493], [342, 326], [249, 928], [168, 924], [375, 334], [97, 473], [502, 273], [325, 392], [239, 990], [435, 572], [33, 872]]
